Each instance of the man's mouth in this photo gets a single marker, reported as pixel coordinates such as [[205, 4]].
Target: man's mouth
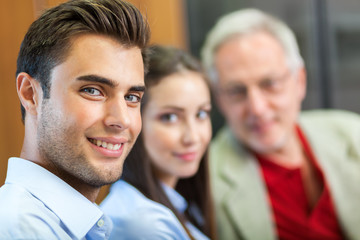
[[109, 146], [261, 125]]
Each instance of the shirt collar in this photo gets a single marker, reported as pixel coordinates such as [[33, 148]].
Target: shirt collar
[[175, 198], [77, 213]]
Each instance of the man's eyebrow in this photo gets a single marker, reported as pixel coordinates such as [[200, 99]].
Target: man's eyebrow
[[139, 88], [109, 82], [98, 79]]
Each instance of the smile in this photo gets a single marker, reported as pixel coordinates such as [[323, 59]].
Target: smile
[[190, 156], [109, 146]]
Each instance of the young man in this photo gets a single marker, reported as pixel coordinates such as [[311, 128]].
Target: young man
[[80, 79], [277, 174]]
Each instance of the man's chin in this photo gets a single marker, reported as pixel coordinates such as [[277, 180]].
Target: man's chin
[[265, 147], [102, 181], [106, 177]]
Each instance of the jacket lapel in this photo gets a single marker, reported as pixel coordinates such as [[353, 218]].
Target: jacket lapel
[[341, 167], [246, 202]]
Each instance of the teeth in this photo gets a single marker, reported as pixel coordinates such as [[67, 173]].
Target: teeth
[[110, 146], [106, 145]]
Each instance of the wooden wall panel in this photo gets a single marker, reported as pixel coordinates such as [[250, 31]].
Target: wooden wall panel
[[167, 21], [15, 18]]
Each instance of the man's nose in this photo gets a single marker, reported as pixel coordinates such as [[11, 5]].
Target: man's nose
[[117, 114], [256, 102]]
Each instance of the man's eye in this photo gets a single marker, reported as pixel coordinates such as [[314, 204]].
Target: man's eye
[[235, 92], [270, 85], [169, 117], [132, 98], [92, 91]]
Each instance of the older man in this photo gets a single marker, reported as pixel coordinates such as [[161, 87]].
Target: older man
[[277, 174]]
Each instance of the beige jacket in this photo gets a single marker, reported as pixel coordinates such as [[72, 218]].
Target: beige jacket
[[240, 195]]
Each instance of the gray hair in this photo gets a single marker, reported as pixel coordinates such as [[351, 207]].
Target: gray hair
[[246, 21]]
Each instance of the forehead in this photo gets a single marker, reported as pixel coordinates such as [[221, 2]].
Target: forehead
[[250, 56], [103, 56], [180, 88]]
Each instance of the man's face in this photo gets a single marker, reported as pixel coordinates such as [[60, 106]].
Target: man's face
[[92, 118], [258, 94]]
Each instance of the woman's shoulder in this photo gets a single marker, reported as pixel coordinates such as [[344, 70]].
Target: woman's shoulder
[[124, 198], [138, 217]]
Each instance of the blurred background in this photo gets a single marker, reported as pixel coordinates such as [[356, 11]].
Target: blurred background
[[328, 32]]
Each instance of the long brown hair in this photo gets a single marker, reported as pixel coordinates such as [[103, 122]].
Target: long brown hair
[[138, 170]]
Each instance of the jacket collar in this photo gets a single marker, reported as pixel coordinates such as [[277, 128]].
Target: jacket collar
[[341, 168], [249, 210]]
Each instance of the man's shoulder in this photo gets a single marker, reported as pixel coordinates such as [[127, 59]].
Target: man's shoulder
[[24, 216], [339, 121], [222, 138], [14, 198], [331, 116], [224, 145]]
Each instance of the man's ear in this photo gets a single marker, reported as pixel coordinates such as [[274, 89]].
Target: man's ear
[[302, 82], [29, 92]]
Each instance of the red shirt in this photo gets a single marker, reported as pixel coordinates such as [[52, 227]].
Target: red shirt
[[291, 211]]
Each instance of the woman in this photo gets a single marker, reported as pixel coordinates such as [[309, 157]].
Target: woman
[[164, 192]]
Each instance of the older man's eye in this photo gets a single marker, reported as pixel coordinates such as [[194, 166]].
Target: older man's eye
[[272, 85], [235, 93], [269, 84]]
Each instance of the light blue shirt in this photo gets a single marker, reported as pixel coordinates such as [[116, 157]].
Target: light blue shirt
[[36, 204], [181, 205], [136, 217]]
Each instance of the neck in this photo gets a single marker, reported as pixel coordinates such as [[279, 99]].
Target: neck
[[291, 154], [88, 191], [171, 182], [31, 153], [168, 179]]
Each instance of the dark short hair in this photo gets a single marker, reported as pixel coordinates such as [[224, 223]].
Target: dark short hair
[[47, 42]]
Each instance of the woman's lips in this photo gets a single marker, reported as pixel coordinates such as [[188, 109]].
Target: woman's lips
[[188, 157]]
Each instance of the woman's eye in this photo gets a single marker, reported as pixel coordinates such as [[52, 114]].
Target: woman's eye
[[132, 98], [203, 114], [92, 91], [170, 117]]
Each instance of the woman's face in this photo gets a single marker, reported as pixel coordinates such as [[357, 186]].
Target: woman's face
[[176, 125]]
